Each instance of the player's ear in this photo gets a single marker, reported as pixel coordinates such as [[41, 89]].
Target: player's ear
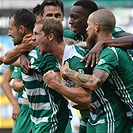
[[50, 36], [22, 29], [97, 27]]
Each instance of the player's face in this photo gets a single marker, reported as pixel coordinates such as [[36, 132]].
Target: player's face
[[40, 38], [53, 11], [92, 36], [14, 32], [78, 20]]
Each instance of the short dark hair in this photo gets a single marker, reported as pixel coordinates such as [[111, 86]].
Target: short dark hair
[[53, 3], [88, 5], [37, 10], [24, 17]]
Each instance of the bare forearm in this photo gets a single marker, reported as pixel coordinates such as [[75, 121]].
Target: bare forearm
[[8, 92], [78, 94], [84, 80], [16, 63], [125, 42], [12, 55]]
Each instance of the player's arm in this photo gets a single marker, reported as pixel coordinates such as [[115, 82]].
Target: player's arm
[[78, 94], [69, 41], [25, 64], [124, 40], [92, 82], [16, 63], [12, 55], [8, 92]]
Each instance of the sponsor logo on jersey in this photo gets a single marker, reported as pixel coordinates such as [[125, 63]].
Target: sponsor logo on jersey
[[101, 61]]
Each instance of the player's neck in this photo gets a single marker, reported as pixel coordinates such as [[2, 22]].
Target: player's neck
[[104, 37]]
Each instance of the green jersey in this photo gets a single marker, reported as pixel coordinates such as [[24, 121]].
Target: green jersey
[[73, 54], [46, 105], [106, 111], [118, 64], [117, 31]]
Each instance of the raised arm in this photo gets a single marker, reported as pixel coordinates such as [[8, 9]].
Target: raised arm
[[124, 40], [12, 55]]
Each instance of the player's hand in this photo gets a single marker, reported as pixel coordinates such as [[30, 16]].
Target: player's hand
[[18, 85], [25, 64], [91, 107], [27, 43], [93, 55], [49, 77], [15, 111], [64, 69]]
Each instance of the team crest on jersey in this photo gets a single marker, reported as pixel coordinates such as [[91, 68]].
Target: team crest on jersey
[[81, 71], [32, 60], [101, 61]]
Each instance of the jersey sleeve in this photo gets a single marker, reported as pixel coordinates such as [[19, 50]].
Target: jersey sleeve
[[108, 60], [16, 73], [69, 34]]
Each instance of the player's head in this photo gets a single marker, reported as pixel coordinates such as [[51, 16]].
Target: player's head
[[37, 11], [21, 22], [100, 26], [53, 8], [79, 14], [47, 31]]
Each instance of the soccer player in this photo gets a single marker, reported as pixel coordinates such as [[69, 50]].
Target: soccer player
[[23, 122], [109, 75], [45, 105], [48, 34], [122, 39]]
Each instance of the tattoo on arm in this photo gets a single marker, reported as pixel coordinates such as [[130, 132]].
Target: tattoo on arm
[[101, 75], [70, 73], [86, 78], [83, 78], [67, 70]]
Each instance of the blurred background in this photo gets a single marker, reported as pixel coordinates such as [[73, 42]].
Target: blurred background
[[122, 9]]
